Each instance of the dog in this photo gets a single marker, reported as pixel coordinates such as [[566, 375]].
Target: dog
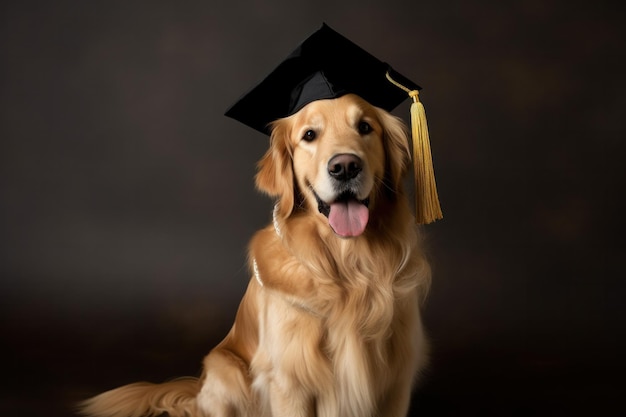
[[330, 322]]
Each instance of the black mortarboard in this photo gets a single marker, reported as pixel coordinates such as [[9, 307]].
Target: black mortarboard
[[328, 65]]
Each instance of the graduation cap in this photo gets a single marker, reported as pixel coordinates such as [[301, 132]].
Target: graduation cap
[[327, 65]]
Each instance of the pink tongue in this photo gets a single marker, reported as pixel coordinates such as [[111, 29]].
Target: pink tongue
[[348, 218]]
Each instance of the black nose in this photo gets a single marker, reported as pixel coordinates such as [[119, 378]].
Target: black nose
[[344, 166]]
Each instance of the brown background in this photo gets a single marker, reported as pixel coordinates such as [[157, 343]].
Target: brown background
[[127, 199]]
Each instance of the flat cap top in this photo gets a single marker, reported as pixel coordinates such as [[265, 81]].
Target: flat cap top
[[326, 65]]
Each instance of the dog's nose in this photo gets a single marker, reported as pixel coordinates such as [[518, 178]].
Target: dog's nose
[[344, 166]]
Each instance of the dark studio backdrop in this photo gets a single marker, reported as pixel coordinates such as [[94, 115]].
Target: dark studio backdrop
[[127, 198]]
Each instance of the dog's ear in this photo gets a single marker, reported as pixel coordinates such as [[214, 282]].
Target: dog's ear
[[275, 169], [397, 151]]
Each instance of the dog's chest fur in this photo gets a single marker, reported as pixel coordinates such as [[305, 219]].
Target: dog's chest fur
[[335, 304]]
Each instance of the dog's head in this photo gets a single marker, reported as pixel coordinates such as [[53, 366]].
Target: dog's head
[[337, 158]]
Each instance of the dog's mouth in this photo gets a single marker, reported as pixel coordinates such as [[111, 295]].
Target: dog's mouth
[[347, 215]]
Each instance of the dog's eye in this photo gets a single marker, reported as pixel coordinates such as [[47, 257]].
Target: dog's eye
[[309, 135], [364, 128]]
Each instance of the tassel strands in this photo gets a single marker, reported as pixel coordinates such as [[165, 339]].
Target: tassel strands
[[427, 207]]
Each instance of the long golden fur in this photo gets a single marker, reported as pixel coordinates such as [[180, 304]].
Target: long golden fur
[[329, 325]]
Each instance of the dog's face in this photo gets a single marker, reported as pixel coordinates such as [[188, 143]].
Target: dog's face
[[333, 157], [337, 157]]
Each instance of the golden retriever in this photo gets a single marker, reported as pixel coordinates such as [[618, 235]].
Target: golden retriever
[[330, 322]]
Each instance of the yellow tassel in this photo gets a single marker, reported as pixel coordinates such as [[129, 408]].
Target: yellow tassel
[[427, 208]]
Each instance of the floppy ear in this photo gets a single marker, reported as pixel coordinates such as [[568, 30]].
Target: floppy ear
[[275, 169], [397, 151]]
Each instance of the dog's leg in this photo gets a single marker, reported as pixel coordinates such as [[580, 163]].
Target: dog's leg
[[290, 369], [225, 388], [410, 344], [397, 401]]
